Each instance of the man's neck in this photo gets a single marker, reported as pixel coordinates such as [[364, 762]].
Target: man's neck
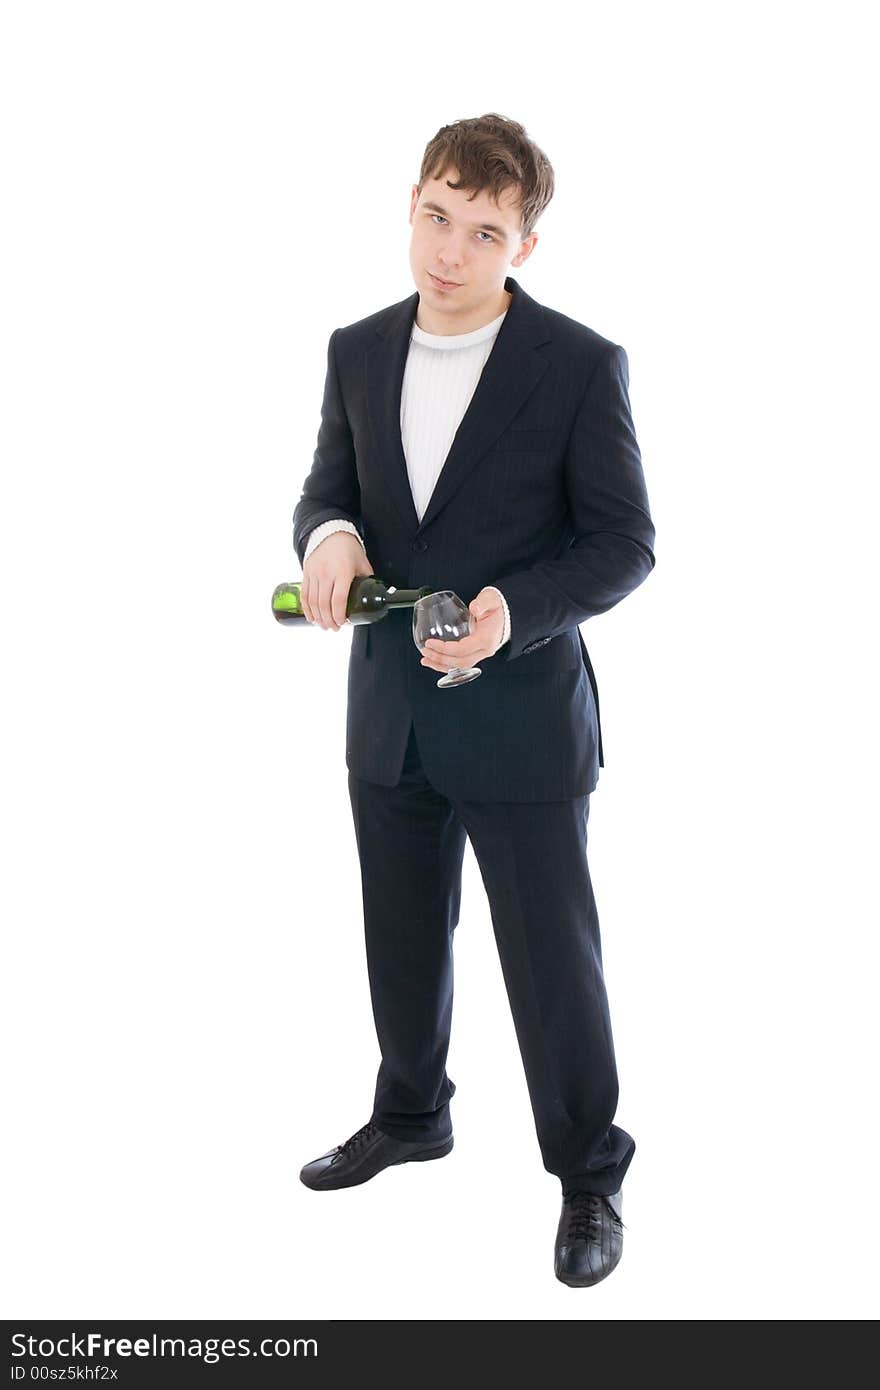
[[441, 327]]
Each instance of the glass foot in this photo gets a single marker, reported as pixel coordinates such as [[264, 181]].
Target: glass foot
[[460, 676]]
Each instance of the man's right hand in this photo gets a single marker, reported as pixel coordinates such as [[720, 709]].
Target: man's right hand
[[328, 575]]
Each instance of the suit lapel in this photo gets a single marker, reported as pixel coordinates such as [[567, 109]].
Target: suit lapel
[[512, 370]]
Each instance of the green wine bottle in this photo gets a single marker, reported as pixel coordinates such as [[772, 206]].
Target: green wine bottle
[[369, 599]]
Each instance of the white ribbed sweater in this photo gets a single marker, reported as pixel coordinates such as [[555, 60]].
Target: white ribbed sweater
[[439, 379]]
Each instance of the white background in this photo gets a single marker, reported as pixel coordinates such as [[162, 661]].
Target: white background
[[196, 195]]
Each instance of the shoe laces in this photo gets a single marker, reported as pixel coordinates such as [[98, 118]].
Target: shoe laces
[[584, 1215], [365, 1133]]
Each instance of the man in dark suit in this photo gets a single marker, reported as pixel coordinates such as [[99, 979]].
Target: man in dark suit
[[536, 514]]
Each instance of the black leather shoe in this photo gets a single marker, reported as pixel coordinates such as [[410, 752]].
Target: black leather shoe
[[364, 1155], [589, 1241]]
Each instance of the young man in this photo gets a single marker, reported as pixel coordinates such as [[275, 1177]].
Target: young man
[[472, 439]]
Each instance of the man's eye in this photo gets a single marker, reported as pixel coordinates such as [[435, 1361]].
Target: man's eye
[[443, 219]]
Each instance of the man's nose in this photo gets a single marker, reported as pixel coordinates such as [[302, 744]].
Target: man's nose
[[452, 254]]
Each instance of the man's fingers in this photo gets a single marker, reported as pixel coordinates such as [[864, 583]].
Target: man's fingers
[[322, 600], [463, 656], [318, 601], [456, 650], [325, 603], [305, 595], [453, 665], [340, 603]]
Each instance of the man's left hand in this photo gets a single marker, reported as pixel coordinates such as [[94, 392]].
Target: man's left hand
[[483, 640]]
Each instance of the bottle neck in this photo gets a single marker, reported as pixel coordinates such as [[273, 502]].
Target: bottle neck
[[406, 598]]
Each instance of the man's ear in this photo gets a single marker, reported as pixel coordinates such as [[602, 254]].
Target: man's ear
[[525, 249]]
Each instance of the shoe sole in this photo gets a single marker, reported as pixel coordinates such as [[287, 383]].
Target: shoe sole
[[587, 1283], [440, 1151]]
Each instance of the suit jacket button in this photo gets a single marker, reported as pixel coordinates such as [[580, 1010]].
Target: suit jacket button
[[419, 544]]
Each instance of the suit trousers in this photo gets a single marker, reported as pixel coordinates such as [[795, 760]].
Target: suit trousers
[[533, 861]]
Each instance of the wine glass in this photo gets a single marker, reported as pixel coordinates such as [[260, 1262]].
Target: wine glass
[[443, 616]]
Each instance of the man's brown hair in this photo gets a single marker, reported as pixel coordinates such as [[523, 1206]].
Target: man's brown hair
[[492, 153]]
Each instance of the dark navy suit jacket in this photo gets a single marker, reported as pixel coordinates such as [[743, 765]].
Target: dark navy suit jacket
[[542, 494]]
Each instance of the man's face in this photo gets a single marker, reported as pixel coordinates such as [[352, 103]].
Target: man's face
[[471, 243]]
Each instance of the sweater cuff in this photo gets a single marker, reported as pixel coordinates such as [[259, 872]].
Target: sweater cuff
[[506, 633], [326, 529]]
